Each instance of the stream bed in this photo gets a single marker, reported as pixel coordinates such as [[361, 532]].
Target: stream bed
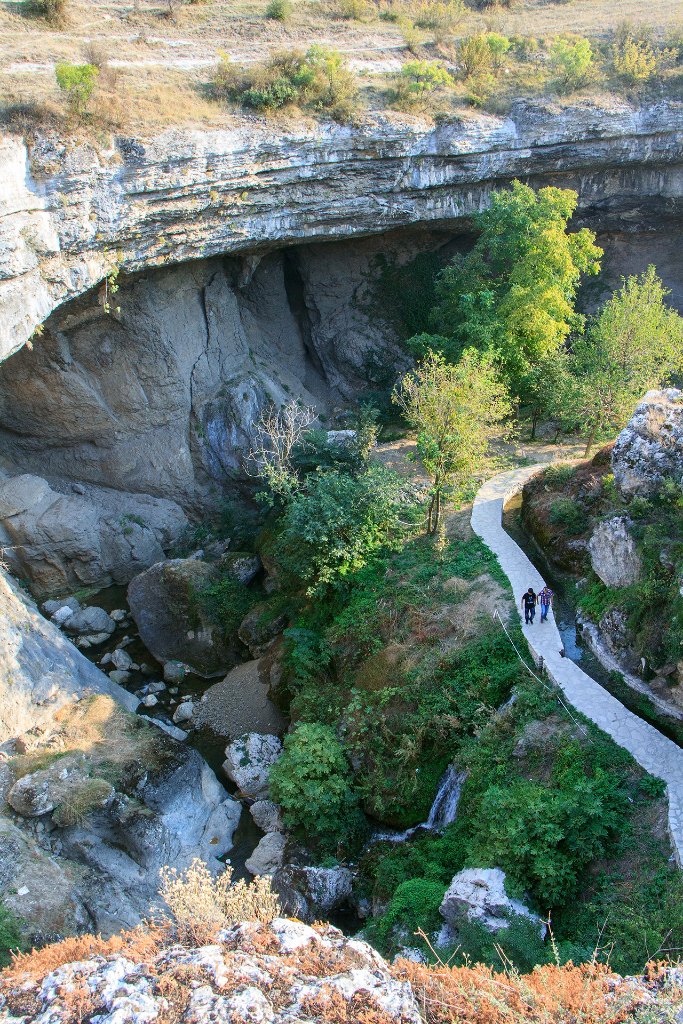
[[205, 741]]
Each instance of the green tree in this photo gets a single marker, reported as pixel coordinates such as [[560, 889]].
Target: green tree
[[633, 345], [77, 82], [312, 784], [330, 529], [572, 60], [456, 410], [513, 294]]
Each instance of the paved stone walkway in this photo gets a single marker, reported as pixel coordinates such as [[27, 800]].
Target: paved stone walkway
[[657, 754]]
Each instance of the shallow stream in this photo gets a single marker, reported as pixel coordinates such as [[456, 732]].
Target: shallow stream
[[207, 743]]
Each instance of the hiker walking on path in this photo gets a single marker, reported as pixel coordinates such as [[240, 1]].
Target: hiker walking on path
[[545, 599], [529, 605]]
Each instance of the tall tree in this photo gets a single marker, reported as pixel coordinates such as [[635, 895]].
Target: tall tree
[[633, 345], [456, 410], [513, 294]]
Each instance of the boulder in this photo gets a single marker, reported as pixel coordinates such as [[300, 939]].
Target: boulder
[[172, 621], [43, 791], [40, 891], [121, 660], [89, 620], [50, 608], [613, 552], [174, 672], [478, 894], [40, 669], [248, 761], [649, 450], [268, 854], [184, 712], [312, 893], [267, 815], [241, 703], [260, 626], [241, 565], [96, 537]]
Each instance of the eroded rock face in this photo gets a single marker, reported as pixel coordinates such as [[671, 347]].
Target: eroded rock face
[[71, 208], [478, 894], [649, 450], [613, 551], [165, 602], [96, 537], [40, 669]]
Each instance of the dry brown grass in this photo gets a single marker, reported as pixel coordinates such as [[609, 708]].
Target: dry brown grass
[[137, 945], [479, 995]]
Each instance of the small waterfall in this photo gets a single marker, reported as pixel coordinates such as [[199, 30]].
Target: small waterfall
[[443, 811]]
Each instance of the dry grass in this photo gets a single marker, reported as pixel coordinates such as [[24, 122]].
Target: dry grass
[[163, 59], [202, 904], [479, 995], [137, 945]]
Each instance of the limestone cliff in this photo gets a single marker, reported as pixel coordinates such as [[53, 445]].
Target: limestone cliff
[[72, 212]]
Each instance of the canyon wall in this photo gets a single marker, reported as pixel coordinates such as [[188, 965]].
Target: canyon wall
[[74, 212], [247, 264]]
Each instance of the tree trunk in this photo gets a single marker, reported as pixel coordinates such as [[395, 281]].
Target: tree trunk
[[589, 443]]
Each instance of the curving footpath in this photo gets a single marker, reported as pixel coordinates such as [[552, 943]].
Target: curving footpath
[[657, 754]]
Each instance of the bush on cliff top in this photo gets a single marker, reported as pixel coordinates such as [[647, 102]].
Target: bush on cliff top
[[316, 81]]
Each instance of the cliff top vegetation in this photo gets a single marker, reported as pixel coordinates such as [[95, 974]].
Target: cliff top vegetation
[[143, 65]]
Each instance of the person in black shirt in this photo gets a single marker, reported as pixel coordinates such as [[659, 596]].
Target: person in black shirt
[[529, 605]]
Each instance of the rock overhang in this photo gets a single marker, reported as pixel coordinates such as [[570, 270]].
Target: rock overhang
[[75, 213]]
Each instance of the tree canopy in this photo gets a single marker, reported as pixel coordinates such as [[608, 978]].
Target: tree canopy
[[634, 344], [513, 294], [456, 410]]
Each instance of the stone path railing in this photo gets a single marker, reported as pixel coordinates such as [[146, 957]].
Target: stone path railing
[[657, 754]]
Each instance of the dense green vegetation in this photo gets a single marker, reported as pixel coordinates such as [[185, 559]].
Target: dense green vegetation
[[10, 938], [394, 666]]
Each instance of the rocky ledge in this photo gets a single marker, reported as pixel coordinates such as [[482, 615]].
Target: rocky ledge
[[286, 972], [72, 213]]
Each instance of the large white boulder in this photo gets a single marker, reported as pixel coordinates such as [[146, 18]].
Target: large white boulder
[[268, 854], [478, 894], [649, 450], [613, 551], [248, 761]]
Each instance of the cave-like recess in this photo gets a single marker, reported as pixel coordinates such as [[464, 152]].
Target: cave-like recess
[[139, 417]]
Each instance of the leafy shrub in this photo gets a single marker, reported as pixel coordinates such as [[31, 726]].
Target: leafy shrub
[[414, 905], [475, 55], [10, 937], [635, 61], [545, 835], [558, 475], [354, 10], [226, 602], [312, 784], [77, 82], [329, 531], [572, 60], [279, 10], [419, 79], [519, 944], [202, 903], [316, 80], [498, 45], [596, 599], [567, 513], [54, 11]]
